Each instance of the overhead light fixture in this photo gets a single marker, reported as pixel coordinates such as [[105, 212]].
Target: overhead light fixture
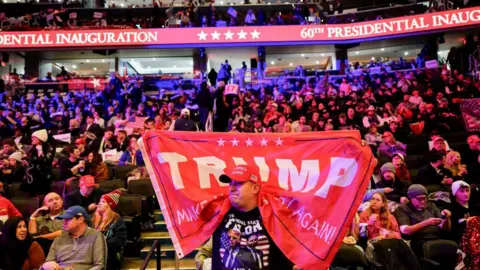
[[94, 68], [291, 64], [322, 54], [383, 49], [74, 66], [132, 60], [357, 52], [272, 63], [148, 67], [88, 61], [122, 5], [303, 55], [103, 60], [174, 66], [318, 62], [154, 59], [406, 53], [373, 58]]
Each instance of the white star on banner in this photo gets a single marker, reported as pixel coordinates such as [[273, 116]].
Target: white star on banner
[[221, 142], [264, 142], [279, 142], [96, 82], [229, 35], [215, 35], [249, 142], [255, 34], [242, 35], [202, 36], [234, 142]]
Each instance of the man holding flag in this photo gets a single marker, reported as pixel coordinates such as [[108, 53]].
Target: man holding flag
[[265, 201], [244, 218]]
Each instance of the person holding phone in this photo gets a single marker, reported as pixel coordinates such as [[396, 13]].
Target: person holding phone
[[380, 223], [43, 225], [421, 220]]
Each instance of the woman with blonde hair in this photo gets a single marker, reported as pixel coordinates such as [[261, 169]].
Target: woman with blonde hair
[[112, 225], [453, 163]]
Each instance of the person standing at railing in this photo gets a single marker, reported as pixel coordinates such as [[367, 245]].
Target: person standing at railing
[[241, 75]]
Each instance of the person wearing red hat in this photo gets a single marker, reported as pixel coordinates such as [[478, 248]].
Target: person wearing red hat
[[87, 196], [81, 145], [112, 225], [227, 249]]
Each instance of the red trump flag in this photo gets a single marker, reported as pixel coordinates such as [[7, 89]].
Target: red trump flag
[[311, 186]]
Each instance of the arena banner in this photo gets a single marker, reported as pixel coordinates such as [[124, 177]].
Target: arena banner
[[214, 36], [311, 186]]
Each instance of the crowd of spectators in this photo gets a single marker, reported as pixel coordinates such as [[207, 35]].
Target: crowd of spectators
[[439, 202], [190, 15]]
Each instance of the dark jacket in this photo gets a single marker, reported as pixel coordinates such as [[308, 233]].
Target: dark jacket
[[76, 198], [17, 175], [183, 124], [428, 176], [116, 235], [93, 128], [399, 187], [38, 173], [394, 254], [94, 146]]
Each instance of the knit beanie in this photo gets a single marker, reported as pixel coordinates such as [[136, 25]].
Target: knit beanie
[[387, 167], [415, 190], [112, 198], [41, 134], [17, 156]]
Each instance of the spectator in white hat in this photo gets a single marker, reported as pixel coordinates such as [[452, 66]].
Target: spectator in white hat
[[184, 123], [14, 171], [401, 170], [461, 209], [40, 158], [372, 118]]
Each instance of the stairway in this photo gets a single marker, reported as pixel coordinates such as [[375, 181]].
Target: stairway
[[169, 260]]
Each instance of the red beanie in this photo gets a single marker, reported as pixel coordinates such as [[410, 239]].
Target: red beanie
[[112, 198]]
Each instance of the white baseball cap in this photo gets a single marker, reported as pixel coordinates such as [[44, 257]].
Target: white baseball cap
[[457, 185], [185, 112]]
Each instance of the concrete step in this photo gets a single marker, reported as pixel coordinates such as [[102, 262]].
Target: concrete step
[[167, 264], [160, 226], [158, 215]]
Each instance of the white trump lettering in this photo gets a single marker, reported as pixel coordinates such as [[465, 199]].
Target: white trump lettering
[[341, 174], [309, 174], [207, 166], [173, 159]]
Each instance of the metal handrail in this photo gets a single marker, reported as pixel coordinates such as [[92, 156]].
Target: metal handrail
[[155, 247]]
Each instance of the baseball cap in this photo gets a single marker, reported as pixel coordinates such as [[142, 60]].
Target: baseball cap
[[74, 211], [457, 185], [399, 155], [185, 112], [87, 181], [240, 174], [80, 141]]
